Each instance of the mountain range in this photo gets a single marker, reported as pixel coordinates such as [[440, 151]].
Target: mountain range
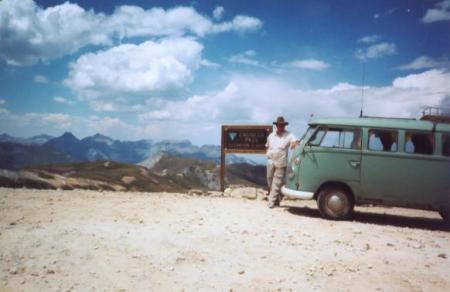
[[16, 153]]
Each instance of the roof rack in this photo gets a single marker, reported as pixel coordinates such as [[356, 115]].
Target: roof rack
[[396, 118], [436, 114]]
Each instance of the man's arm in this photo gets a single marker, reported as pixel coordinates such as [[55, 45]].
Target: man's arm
[[294, 141]]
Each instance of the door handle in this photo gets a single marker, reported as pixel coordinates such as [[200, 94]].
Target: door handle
[[355, 163]]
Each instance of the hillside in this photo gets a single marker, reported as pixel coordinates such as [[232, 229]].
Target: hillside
[[169, 173], [126, 176], [206, 174]]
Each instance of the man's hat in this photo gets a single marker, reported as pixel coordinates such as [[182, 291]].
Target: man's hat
[[280, 120]]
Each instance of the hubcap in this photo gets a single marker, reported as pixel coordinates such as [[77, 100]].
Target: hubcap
[[336, 203]]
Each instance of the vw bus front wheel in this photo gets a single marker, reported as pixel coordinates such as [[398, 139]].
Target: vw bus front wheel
[[335, 203]]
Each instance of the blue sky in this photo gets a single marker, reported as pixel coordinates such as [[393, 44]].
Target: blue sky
[[178, 70]]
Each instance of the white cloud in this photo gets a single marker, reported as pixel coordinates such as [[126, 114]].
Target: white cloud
[[209, 64], [246, 58], [258, 100], [30, 124], [60, 99], [247, 100], [424, 62], [218, 12], [440, 12], [435, 80], [127, 73], [311, 64], [369, 39], [376, 51], [2, 101], [31, 34], [39, 121], [40, 79], [240, 23]]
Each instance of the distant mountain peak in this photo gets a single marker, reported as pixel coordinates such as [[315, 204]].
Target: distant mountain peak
[[68, 135], [99, 138], [98, 135]]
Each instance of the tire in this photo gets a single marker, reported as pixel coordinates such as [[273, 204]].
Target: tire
[[335, 203]]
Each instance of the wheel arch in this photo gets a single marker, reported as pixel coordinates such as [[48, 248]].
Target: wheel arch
[[338, 184]]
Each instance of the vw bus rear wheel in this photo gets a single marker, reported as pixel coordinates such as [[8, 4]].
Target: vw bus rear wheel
[[335, 203]]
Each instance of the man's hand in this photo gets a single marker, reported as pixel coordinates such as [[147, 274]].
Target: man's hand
[[294, 144]]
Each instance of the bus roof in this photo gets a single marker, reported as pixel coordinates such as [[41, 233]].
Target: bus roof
[[389, 123]]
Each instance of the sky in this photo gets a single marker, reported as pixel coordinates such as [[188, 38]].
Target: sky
[[179, 70]]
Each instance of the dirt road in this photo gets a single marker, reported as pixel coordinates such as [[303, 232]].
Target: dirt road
[[89, 241]]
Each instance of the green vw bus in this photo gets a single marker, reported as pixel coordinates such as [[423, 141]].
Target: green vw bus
[[341, 162]]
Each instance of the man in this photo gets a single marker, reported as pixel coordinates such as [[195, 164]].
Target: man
[[277, 147]]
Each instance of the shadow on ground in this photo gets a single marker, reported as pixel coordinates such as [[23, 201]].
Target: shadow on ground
[[380, 219]]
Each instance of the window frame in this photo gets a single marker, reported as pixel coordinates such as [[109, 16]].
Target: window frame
[[424, 133], [396, 131], [343, 129]]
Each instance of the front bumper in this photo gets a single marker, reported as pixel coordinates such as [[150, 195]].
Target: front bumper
[[296, 194]]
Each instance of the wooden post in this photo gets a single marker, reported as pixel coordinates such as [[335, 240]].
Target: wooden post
[[222, 161]]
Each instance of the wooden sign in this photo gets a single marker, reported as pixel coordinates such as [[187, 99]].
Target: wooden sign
[[242, 139]]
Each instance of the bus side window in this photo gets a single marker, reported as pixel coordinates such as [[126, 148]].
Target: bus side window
[[383, 140], [342, 138], [446, 144], [419, 143]]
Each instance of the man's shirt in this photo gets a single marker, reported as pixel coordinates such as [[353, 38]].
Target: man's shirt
[[277, 148]]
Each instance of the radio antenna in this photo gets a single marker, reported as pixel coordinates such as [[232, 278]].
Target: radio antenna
[[362, 88]]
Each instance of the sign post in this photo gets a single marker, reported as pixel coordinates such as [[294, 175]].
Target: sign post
[[242, 139]]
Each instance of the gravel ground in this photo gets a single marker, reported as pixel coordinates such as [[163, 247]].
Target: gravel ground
[[112, 241]]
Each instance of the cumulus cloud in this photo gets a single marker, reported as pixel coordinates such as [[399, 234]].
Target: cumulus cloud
[[31, 34], [369, 39], [376, 51], [434, 80], [250, 100], [131, 72], [424, 62], [40, 79], [2, 101], [311, 64], [440, 12], [218, 12], [60, 99]]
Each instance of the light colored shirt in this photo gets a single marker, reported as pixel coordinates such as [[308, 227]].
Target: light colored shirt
[[409, 147], [278, 147]]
